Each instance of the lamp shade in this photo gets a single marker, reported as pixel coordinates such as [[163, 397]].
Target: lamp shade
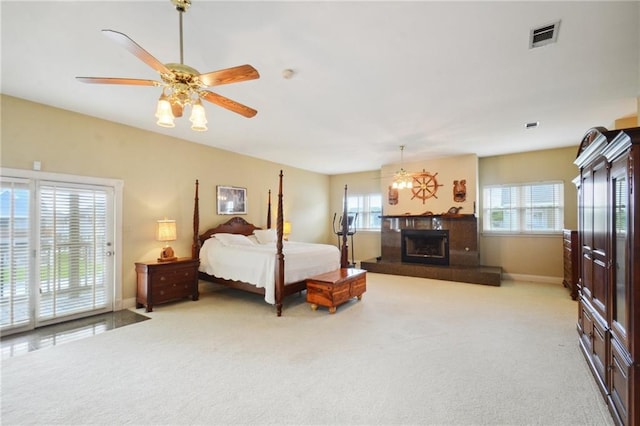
[[198, 117], [166, 230], [286, 228], [164, 113]]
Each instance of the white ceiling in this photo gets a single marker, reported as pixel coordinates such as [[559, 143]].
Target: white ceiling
[[442, 78]]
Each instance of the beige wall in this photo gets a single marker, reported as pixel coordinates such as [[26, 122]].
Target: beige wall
[[445, 170], [540, 255], [159, 173]]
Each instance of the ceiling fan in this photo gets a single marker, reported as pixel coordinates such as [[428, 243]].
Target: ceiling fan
[[181, 84]]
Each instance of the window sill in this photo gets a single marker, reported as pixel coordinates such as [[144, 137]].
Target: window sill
[[522, 234]]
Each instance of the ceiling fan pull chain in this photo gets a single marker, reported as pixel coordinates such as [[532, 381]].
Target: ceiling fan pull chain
[[181, 51]]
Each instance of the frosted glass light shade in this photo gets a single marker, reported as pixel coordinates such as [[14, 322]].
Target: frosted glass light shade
[[198, 117], [164, 113]]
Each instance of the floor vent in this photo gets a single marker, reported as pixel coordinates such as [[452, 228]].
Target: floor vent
[[544, 35]]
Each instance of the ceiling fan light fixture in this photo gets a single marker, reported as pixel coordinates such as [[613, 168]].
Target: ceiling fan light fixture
[[198, 117], [164, 113], [182, 85]]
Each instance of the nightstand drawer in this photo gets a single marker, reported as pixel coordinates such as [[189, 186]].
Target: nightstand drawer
[[168, 291], [173, 276]]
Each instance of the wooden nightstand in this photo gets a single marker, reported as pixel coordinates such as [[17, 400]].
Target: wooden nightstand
[[160, 282], [571, 260]]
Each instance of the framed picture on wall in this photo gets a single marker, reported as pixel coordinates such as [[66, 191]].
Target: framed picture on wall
[[231, 200]]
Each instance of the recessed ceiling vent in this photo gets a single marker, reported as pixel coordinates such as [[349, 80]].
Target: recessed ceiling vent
[[544, 35]]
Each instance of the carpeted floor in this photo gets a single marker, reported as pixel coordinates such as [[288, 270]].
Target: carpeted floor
[[413, 351]]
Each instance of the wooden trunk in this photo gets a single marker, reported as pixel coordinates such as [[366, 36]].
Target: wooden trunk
[[334, 288]]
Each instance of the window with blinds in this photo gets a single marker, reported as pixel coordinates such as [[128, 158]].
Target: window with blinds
[[533, 208], [368, 208]]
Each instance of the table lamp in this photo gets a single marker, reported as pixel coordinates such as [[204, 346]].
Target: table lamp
[[166, 231], [286, 230]]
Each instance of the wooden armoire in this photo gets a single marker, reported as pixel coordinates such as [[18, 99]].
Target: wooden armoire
[[609, 282]]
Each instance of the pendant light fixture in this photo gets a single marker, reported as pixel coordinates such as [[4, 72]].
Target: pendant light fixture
[[402, 179]]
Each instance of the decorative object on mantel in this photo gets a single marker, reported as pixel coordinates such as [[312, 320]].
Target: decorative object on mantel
[[460, 190], [393, 195], [427, 185], [402, 179], [452, 211], [166, 231], [181, 85]]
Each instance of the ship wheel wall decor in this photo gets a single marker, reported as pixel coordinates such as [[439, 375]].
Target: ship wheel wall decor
[[425, 185]]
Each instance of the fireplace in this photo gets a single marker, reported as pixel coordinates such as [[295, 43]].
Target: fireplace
[[425, 246]]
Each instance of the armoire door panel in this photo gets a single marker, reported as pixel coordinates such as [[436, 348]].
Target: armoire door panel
[[599, 286]]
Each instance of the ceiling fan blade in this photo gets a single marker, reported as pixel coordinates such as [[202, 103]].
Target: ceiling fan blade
[[133, 47], [228, 104], [230, 75], [109, 80]]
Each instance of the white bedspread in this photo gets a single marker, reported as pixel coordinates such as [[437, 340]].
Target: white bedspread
[[256, 264]]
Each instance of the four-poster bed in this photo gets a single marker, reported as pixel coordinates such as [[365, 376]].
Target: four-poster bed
[[304, 260]]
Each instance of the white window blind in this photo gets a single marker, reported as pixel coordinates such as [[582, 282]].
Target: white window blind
[[73, 238], [534, 208], [15, 239], [368, 207]]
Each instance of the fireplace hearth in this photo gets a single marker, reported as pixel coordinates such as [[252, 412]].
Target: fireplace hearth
[[456, 240], [426, 246]]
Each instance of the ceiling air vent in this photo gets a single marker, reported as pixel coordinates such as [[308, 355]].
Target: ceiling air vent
[[544, 35]]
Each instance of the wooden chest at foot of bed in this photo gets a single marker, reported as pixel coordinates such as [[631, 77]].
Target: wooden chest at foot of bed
[[336, 287]]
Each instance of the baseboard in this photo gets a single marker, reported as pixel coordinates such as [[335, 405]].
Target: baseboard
[[129, 303], [532, 278]]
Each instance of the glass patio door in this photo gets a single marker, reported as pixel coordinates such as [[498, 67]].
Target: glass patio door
[[56, 255], [75, 255]]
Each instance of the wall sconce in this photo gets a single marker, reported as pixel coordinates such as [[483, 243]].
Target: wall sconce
[[166, 231], [286, 230]]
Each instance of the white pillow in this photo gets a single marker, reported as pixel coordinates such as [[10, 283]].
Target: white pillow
[[233, 239], [265, 236]]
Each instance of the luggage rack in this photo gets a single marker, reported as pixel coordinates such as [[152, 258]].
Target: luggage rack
[[351, 230]]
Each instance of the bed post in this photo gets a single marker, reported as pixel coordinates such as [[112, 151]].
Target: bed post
[[269, 212], [279, 255], [344, 258], [195, 246]]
